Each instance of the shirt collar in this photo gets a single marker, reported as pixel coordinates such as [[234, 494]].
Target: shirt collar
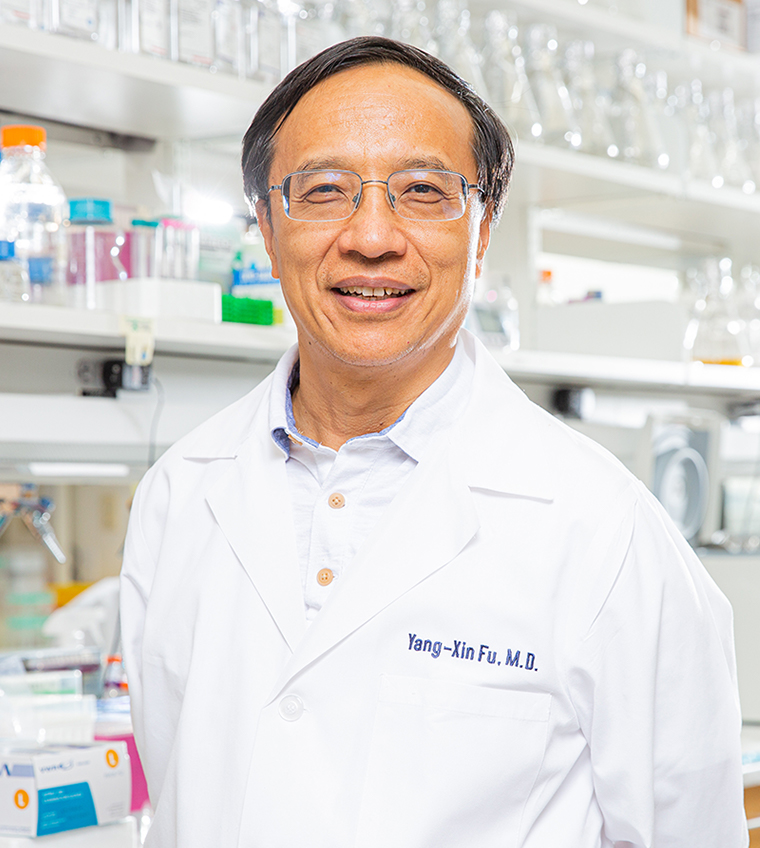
[[433, 411]]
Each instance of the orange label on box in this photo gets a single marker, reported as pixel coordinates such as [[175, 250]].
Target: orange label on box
[[21, 799], [112, 758]]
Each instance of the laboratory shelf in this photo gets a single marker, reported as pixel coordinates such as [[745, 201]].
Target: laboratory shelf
[[81, 329], [640, 375], [100, 330], [74, 81], [547, 177]]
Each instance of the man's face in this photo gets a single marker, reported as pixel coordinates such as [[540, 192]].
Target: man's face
[[375, 120]]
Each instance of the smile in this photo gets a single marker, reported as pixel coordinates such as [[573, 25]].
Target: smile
[[374, 292]]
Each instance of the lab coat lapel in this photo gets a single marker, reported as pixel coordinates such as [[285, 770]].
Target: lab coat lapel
[[251, 504], [426, 526]]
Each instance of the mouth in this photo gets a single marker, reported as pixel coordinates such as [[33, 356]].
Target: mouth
[[372, 292]]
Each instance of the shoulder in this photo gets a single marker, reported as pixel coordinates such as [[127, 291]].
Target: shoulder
[[514, 445]]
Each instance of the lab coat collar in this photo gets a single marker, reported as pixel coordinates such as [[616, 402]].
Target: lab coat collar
[[499, 442]]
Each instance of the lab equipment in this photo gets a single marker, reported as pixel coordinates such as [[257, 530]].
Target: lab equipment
[[181, 249], [14, 281], [717, 334], [144, 248], [24, 12], [23, 500], [33, 210], [194, 31], [95, 250], [61, 788]]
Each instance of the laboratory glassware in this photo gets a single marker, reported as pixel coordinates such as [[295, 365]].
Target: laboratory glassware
[[717, 334], [729, 147], [637, 134], [589, 102], [95, 250], [14, 281], [455, 45], [558, 121], [506, 78], [33, 211]]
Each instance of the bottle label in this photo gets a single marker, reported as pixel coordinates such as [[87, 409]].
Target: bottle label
[[40, 270], [195, 31], [79, 15], [154, 28]]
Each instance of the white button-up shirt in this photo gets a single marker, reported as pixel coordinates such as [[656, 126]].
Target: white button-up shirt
[[338, 496]]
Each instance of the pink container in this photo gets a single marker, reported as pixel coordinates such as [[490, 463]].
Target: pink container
[[139, 784]]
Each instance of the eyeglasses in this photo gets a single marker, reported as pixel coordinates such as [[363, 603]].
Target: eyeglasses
[[417, 195]]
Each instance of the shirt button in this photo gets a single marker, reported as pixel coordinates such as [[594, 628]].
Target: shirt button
[[336, 500], [291, 708], [325, 577]]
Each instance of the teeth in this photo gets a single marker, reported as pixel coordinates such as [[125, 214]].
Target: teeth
[[366, 291]]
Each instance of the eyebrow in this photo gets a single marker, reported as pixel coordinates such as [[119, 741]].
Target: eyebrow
[[333, 163]]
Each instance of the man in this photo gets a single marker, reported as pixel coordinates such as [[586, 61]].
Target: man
[[384, 601]]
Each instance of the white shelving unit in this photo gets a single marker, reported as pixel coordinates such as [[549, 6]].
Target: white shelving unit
[[79, 82], [72, 81]]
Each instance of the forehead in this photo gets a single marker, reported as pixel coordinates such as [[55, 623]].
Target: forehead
[[382, 114]]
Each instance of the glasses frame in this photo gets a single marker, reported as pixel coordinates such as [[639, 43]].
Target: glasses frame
[[466, 189]]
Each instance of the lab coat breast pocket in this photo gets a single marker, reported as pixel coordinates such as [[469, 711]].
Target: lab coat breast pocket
[[450, 765]]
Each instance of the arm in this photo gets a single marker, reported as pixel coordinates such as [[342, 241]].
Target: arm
[[656, 696]]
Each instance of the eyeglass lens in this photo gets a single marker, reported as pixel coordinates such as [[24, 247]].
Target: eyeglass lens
[[417, 195]]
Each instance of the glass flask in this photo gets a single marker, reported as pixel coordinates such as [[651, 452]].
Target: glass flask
[[558, 121], [702, 155], [749, 308], [455, 46], [589, 103], [638, 136], [717, 334], [506, 78], [729, 147], [410, 22]]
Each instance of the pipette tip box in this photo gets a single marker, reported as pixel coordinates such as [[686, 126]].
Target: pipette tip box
[[49, 790]]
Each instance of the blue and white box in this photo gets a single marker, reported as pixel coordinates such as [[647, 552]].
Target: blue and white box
[[57, 788]]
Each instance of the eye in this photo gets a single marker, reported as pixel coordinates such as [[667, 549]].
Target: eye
[[324, 193], [425, 192]]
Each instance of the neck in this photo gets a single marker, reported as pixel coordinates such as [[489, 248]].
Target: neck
[[337, 401]]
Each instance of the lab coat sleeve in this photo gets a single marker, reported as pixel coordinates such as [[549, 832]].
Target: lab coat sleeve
[[655, 692], [135, 585]]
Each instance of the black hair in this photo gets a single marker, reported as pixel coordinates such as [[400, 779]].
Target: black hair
[[492, 145]]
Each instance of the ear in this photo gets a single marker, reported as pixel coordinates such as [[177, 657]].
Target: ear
[[264, 220], [484, 237]]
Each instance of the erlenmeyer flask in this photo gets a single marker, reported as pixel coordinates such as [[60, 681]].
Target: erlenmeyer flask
[[506, 78], [455, 47], [558, 122], [717, 334], [702, 157], [638, 136], [588, 101], [730, 149]]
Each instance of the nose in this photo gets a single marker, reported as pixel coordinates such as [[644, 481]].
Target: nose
[[374, 230]]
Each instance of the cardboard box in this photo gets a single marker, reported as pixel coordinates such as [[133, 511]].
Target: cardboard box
[[49, 790]]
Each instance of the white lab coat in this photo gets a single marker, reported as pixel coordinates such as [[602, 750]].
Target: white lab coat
[[524, 653]]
